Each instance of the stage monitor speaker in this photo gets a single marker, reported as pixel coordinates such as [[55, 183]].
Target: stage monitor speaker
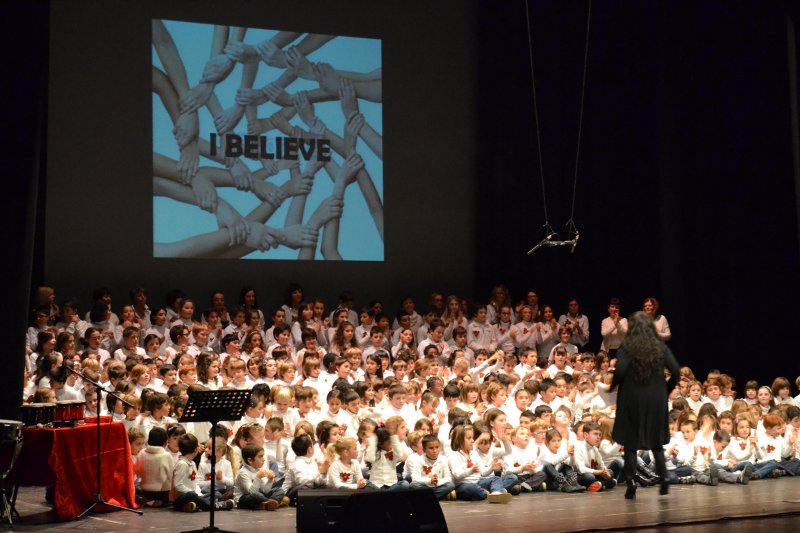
[[390, 512]]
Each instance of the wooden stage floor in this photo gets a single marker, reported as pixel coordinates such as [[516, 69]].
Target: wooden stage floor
[[768, 504]]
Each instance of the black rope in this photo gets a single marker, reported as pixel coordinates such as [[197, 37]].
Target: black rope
[[571, 222], [536, 118]]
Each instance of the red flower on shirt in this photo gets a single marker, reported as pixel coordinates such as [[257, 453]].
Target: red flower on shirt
[[622, 448], [230, 433], [594, 463], [516, 465], [476, 333], [469, 463], [770, 448], [390, 455], [208, 476], [502, 331], [525, 331], [719, 456], [743, 445], [427, 469], [363, 334], [193, 475], [345, 476], [703, 450]]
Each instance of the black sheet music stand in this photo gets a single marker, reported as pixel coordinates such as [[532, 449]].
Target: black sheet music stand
[[214, 406]]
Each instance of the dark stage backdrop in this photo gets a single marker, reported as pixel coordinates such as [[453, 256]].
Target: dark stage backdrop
[[99, 209], [685, 187]]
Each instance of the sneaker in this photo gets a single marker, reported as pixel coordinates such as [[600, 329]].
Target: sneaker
[[189, 507], [284, 502], [228, 495], [226, 505], [595, 487], [541, 488], [269, 505], [611, 483], [777, 473], [524, 487], [755, 475], [713, 475], [153, 503], [499, 497], [451, 496], [744, 478], [514, 491], [687, 480]]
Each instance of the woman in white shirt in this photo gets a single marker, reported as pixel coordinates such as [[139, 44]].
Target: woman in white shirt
[[650, 308]]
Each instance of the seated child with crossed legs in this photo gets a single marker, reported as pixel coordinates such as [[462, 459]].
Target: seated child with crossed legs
[[253, 488]]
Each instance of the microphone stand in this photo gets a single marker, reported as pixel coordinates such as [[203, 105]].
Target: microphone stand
[[98, 499]]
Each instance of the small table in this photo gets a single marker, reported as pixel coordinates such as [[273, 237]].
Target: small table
[[66, 459]]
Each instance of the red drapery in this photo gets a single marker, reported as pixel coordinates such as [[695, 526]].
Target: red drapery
[[67, 459]]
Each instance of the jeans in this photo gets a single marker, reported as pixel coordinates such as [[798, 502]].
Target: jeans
[[470, 492], [253, 500], [400, 485], [440, 491], [203, 502]]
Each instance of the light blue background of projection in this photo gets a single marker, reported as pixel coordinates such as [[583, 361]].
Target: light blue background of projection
[[173, 221]]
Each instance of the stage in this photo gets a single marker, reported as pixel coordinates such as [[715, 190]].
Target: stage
[[773, 504]]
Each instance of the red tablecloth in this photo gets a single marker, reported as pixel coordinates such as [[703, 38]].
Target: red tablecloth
[[66, 458]]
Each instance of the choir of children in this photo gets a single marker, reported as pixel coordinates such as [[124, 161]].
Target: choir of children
[[479, 410]]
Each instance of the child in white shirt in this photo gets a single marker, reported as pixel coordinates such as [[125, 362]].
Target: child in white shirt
[[154, 467], [305, 472], [253, 488], [432, 470], [345, 471], [185, 491]]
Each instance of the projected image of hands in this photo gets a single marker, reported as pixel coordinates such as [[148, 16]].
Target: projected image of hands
[[266, 144]]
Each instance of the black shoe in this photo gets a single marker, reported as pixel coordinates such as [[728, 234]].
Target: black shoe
[[630, 491], [644, 482], [664, 490], [646, 473]]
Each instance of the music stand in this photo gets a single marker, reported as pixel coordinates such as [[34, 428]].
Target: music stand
[[214, 406]]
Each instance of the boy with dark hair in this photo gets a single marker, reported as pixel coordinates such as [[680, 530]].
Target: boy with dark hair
[[185, 492]]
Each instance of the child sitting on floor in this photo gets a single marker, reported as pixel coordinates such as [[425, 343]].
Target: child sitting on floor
[[185, 491], [254, 488]]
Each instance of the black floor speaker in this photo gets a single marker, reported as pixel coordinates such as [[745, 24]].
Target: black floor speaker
[[387, 512]]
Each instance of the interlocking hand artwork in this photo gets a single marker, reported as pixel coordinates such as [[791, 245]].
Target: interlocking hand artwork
[[276, 152]]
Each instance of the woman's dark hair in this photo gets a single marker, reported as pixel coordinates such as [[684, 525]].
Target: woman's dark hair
[[42, 338], [287, 295], [245, 290], [204, 360], [98, 312], [643, 347]]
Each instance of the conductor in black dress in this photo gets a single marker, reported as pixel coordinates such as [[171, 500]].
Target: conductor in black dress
[[642, 421]]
